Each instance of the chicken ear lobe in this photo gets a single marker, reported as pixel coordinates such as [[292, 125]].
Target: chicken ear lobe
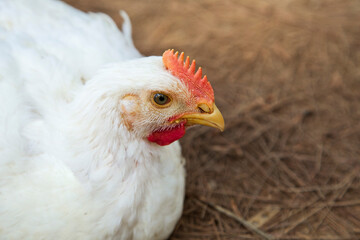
[[129, 107]]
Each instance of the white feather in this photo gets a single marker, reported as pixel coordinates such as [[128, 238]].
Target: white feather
[[69, 167]]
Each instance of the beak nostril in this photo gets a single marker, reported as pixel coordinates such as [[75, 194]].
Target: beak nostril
[[204, 108], [201, 110], [212, 118]]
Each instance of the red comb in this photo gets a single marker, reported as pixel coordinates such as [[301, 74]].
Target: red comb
[[200, 87]]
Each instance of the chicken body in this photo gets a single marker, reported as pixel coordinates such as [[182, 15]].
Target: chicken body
[[75, 161]]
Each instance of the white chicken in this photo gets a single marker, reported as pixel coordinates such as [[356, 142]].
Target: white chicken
[[88, 127]]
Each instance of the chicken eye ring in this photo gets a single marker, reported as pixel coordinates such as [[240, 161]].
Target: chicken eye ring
[[161, 100]]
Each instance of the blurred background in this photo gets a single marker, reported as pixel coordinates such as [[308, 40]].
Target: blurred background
[[286, 76]]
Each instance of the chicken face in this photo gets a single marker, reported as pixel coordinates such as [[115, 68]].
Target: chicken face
[[164, 113], [154, 98]]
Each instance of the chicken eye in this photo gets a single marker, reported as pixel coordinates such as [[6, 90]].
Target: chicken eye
[[161, 99]]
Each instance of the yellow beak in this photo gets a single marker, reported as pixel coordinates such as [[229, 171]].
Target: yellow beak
[[210, 117]]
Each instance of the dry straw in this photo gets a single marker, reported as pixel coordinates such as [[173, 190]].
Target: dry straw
[[286, 76]]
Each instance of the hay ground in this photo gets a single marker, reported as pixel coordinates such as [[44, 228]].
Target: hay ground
[[286, 75]]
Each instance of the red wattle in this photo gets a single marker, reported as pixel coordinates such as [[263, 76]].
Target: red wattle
[[165, 137]]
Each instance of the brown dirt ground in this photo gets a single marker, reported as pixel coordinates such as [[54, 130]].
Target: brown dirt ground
[[286, 75]]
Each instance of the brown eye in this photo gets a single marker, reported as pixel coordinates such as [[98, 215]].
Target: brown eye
[[161, 99]]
